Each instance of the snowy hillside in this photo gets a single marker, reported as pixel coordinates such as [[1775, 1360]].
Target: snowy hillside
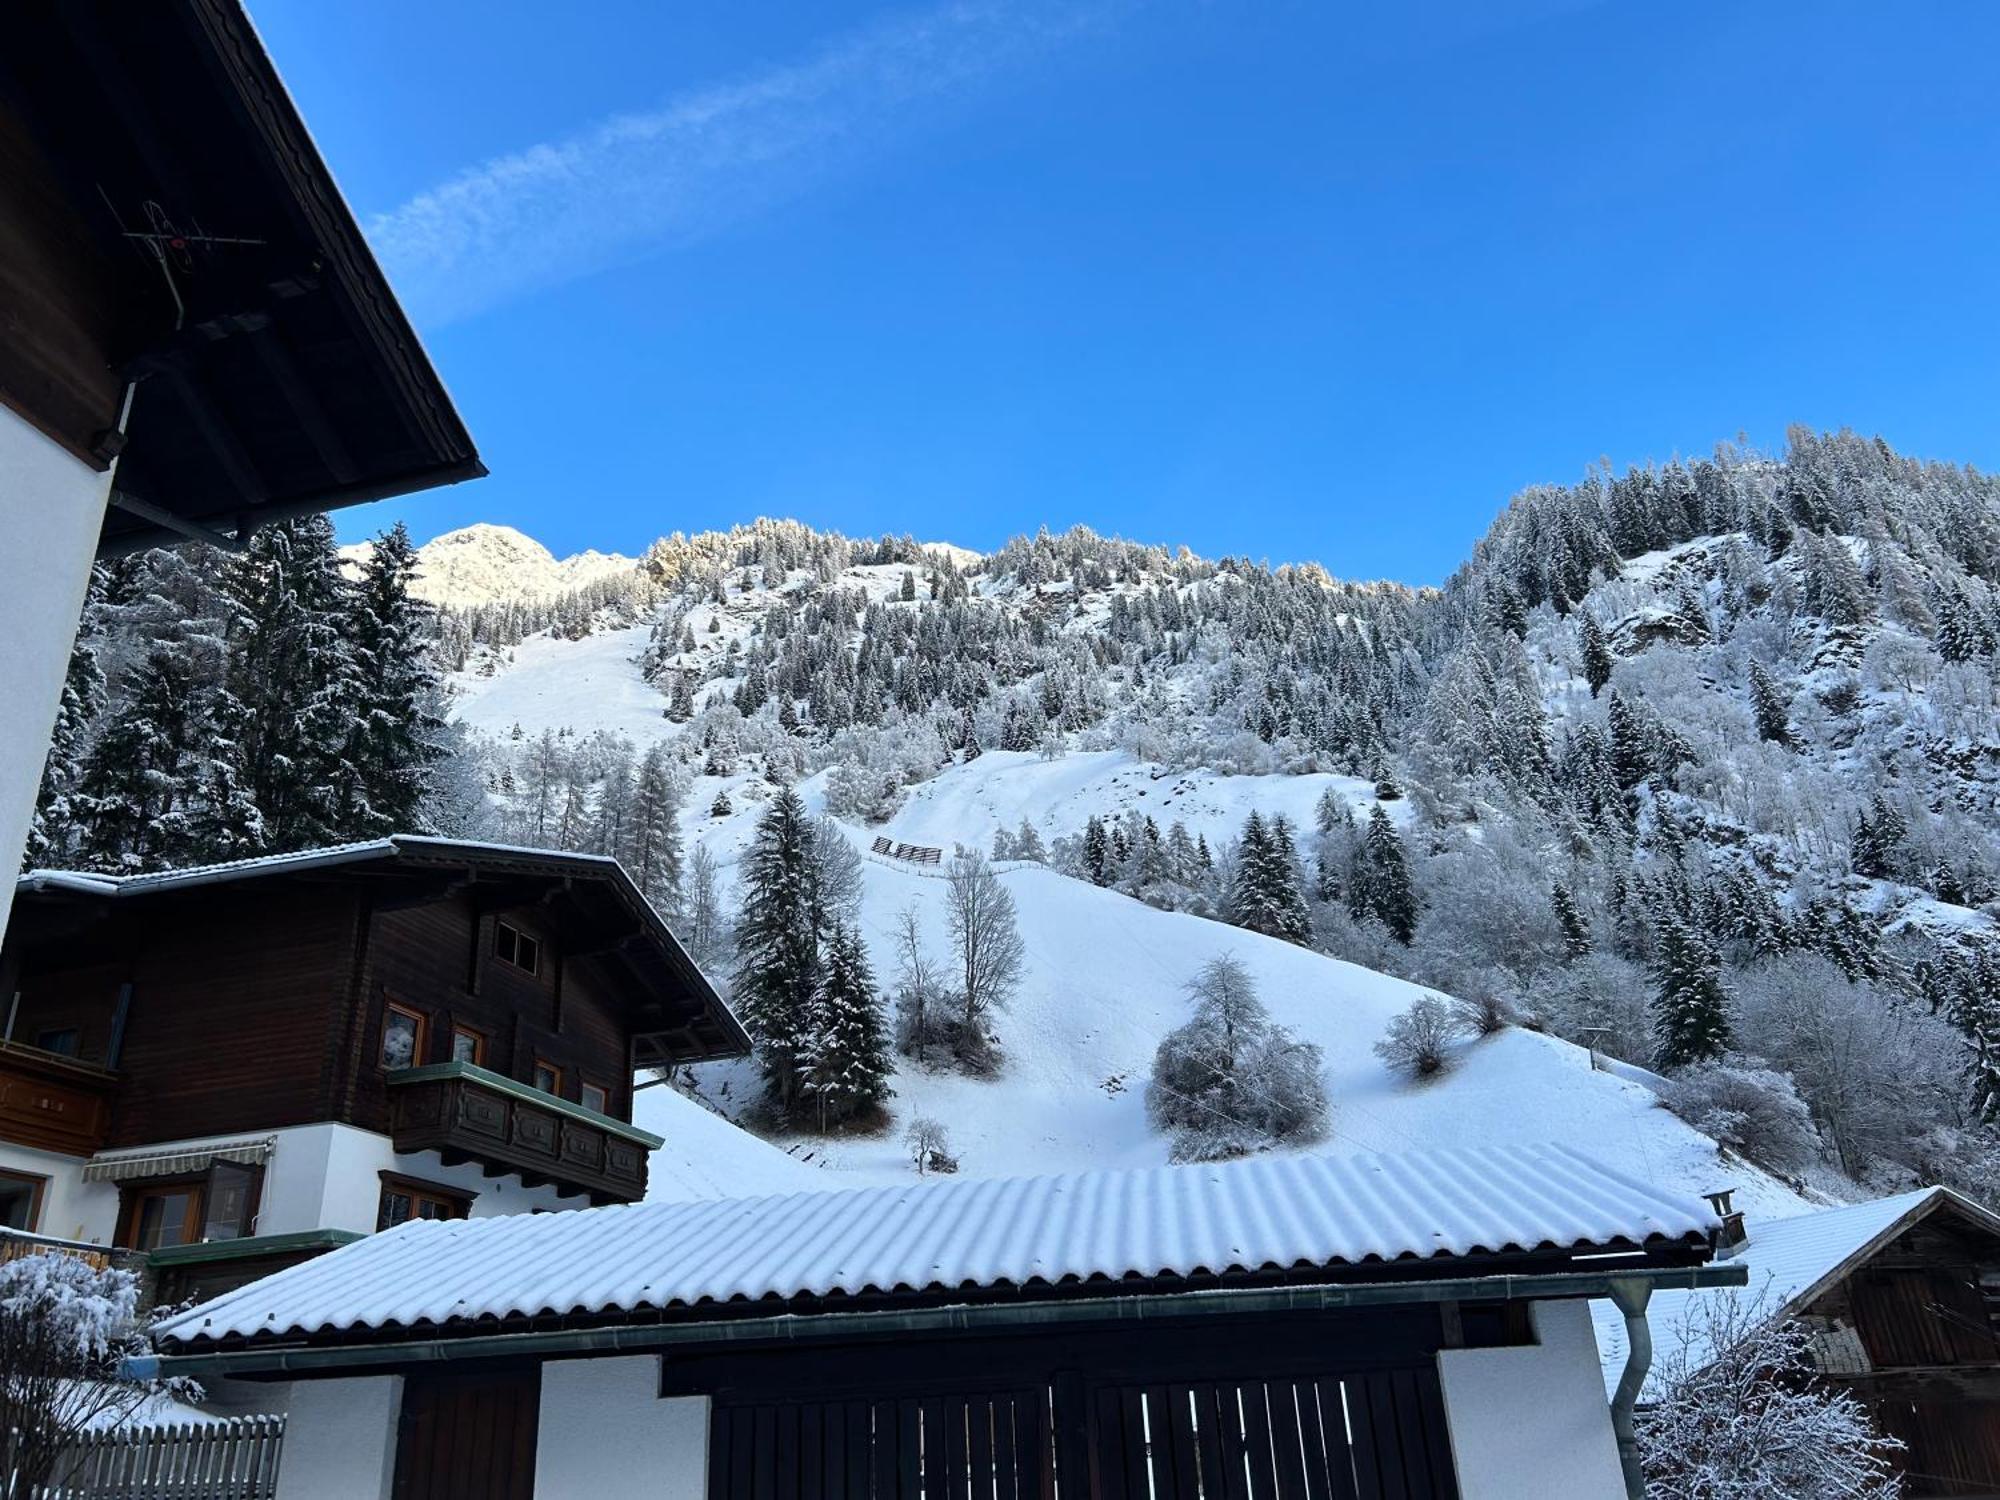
[[1105, 973]]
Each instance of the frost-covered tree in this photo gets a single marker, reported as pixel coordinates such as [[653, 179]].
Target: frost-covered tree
[[1598, 661], [395, 735], [1770, 707], [52, 833], [1691, 1007], [1743, 1414], [991, 956], [778, 961], [702, 926], [1755, 1111], [651, 841], [66, 1330], [1230, 1081], [136, 795], [844, 1067], [1266, 893], [1419, 1041], [1380, 886]]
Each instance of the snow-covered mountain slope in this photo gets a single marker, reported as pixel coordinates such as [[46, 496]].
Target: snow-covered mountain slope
[[705, 1156], [484, 564], [1104, 983]]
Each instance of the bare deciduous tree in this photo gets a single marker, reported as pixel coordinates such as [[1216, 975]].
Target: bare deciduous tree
[[990, 952]]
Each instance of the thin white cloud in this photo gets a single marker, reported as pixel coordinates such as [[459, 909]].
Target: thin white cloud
[[636, 183]]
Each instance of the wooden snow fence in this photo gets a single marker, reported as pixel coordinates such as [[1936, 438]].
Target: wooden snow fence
[[915, 854], [236, 1459]]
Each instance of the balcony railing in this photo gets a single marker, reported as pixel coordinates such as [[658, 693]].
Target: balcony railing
[[467, 1114], [52, 1102]]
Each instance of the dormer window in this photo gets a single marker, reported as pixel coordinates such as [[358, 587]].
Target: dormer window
[[513, 946]]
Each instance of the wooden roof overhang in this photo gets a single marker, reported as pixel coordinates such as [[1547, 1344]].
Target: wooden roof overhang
[[168, 230]]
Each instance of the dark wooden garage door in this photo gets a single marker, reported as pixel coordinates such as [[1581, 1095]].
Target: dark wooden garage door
[[1378, 1435], [468, 1437]]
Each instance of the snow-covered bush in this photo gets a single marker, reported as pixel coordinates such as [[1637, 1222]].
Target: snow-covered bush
[[929, 1145], [1754, 1111], [65, 1327], [1418, 1042], [1231, 1082], [1743, 1415]]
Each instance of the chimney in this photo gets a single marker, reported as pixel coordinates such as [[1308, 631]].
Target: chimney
[[1731, 1237]]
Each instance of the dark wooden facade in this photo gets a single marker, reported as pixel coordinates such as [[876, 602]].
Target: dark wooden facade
[[260, 1001], [1910, 1328]]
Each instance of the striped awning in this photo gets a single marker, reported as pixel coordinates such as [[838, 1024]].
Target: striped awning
[[175, 1161]]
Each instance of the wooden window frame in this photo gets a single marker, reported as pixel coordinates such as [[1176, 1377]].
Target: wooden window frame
[[509, 953], [418, 1048], [38, 1192], [536, 1067], [584, 1087], [419, 1189], [478, 1058], [200, 1186]]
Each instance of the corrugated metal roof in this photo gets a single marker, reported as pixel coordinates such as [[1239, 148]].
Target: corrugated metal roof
[[1283, 1213], [1788, 1259]]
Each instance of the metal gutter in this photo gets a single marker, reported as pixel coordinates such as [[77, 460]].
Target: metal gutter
[[249, 1246], [794, 1328], [1630, 1298]]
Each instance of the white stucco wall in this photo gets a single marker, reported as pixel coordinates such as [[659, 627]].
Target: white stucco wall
[[324, 1176], [1531, 1423], [606, 1433], [51, 509], [340, 1439]]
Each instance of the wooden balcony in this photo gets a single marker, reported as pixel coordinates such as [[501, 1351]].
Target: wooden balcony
[[52, 1102], [467, 1114]]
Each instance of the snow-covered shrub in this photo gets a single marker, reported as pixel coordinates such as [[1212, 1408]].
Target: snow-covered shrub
[[1231, 1082], [1755, 1111], [65, 1326], [1599, 1000], [1418, 1042], [929, 1145], [1743, 1415]]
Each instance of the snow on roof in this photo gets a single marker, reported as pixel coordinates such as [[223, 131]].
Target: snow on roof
[[1790, 1261], [959, 1235]]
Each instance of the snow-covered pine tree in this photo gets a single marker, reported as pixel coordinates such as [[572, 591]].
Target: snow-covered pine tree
[[652, 849], [1769, 707], [844, 1072], [288, 696], [1575, 931], [1690, 1007], [52, 833], [136, 792], [395, 739], [778, 962], [1391, 900]]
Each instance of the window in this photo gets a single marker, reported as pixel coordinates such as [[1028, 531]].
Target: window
[[468, 1046], [402, 1038], [407, 1198], [596, 1098], [220, 1205], [513, 946], [20, 1200], [163, 1216], [66, 1040], [547, 1076]]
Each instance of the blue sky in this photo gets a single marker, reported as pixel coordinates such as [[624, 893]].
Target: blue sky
[[1270, 278]]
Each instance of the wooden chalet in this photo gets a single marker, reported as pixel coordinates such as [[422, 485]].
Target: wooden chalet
[[1902, 1296], [234, 1067]]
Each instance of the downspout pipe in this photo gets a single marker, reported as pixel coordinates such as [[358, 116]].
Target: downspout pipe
[[1630, 1297]]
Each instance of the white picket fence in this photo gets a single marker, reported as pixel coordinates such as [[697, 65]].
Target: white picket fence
[[236, 1459]]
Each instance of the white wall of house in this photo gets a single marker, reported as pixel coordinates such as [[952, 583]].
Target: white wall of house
[[1530, 1422], [325, 1176], [51, 509], [340, 1439], [605, 1432]]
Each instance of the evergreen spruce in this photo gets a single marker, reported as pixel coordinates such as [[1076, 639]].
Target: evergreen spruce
[[52, 833], [778, 964], [1691, 1008], [652, 847], [133, 794], [1575, 931], [1389, 897], [1770, 708], [1597, 658], [846, 1065], [395, 740]]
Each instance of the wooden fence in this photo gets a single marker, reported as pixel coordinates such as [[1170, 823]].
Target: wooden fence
[[235, 1459], [916, 854]]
